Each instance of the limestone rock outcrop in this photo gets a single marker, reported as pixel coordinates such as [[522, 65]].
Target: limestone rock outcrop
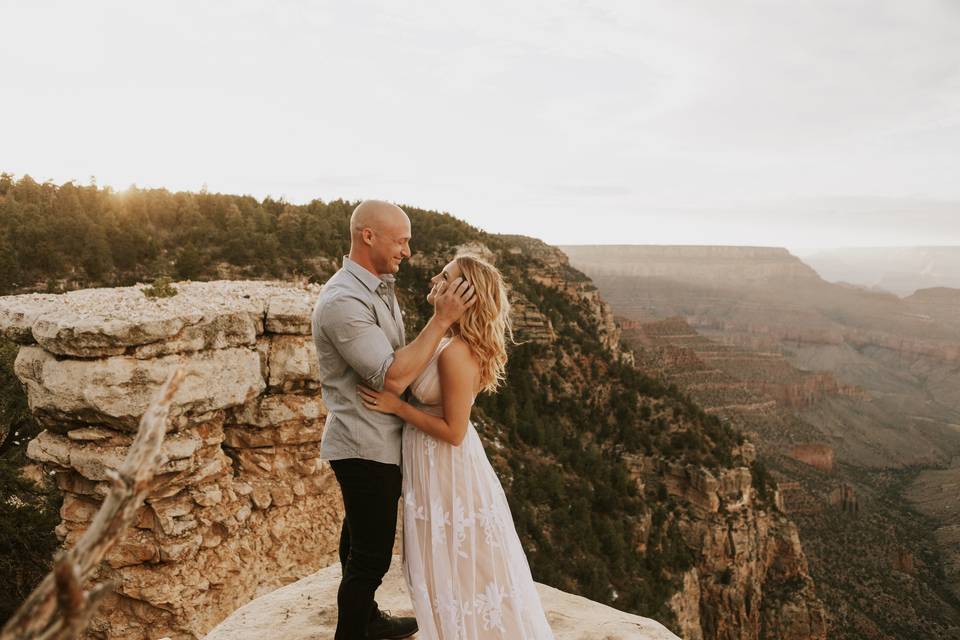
[[750, 577], [551, 267], [307, 609], [242, 503], [529, 324]]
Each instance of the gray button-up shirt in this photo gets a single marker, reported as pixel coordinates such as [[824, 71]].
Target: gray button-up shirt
[[357, 326]]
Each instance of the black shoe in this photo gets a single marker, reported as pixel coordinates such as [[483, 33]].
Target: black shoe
[[383, 626]]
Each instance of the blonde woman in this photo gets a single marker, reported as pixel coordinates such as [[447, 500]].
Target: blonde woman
[[466, 571]]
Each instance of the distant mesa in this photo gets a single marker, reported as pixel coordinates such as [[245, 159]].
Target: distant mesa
[[900, 270], [703, 264]]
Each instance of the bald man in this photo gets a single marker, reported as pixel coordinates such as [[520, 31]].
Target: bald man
[[358, 331]]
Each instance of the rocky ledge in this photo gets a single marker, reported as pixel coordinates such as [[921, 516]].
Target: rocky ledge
[[93, 323], [307, 609], [242, 502]]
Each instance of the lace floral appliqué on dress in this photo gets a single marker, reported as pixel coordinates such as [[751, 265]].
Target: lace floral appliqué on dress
[[466, 571]]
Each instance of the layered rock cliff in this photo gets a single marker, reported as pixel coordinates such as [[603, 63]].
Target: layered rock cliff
[[550, 267], [894, 359], [242, 503], [748, 576], [707, 265]]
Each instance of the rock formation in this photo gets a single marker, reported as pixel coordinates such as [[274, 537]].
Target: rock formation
[[710, 265], [934, 493], [844, 498], [749, 577], [242, 503], [551, 267], [529, 324], [816, 455]]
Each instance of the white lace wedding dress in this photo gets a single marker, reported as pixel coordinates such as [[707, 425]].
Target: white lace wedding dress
[[466, 571]]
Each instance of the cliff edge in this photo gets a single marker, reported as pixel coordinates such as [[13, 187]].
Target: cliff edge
[[307, 609]]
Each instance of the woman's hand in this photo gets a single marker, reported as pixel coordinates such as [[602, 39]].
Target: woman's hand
[[382, 401]]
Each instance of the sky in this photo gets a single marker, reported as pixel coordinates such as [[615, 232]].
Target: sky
[[799, 124]]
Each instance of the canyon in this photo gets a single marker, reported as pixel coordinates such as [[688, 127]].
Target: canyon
[[244, 506], [242, 503], [851, 397], [622, 488]]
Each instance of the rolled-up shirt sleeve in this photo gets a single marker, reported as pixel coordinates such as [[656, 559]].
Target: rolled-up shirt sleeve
[[351, 328]]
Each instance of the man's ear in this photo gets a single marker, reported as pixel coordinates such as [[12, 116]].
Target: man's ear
[[367, 235]]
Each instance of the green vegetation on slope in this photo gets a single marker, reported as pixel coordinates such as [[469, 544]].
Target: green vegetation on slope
[[79, 236]]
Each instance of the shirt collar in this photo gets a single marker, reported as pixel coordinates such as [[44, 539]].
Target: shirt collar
[[369, 280]]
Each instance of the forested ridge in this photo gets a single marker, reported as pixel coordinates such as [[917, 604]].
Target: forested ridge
[[72, 236], [559, 432]]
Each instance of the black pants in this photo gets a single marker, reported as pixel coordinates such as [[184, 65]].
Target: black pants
[[371, 491]]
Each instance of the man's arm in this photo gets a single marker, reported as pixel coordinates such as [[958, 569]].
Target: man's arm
[[351, 328], [459, 372], [410, 360]]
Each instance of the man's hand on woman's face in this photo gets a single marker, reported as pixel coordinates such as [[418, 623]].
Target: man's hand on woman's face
[[451, 301]]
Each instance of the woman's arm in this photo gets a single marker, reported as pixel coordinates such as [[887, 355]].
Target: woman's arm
[[458, 375]]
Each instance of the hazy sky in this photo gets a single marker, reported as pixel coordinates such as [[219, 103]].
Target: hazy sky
[[789, 123]]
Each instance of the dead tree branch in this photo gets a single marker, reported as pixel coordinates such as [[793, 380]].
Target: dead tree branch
[[59, 608]]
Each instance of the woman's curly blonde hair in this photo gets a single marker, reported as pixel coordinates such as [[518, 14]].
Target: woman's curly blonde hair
[[486, 325]]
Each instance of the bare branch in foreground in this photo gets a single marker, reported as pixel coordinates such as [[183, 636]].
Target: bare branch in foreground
[[59, 608]]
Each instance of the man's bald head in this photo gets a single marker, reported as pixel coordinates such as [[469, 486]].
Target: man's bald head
[[379, 236], [376, 215]]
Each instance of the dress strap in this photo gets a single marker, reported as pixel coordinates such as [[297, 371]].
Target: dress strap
[[444, 343]]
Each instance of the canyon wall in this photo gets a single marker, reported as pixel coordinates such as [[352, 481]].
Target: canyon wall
[[549, 266], [844, 391], [749, 578]]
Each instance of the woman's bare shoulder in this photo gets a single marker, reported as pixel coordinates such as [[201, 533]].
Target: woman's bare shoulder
[[459, 352], [457, 359]]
